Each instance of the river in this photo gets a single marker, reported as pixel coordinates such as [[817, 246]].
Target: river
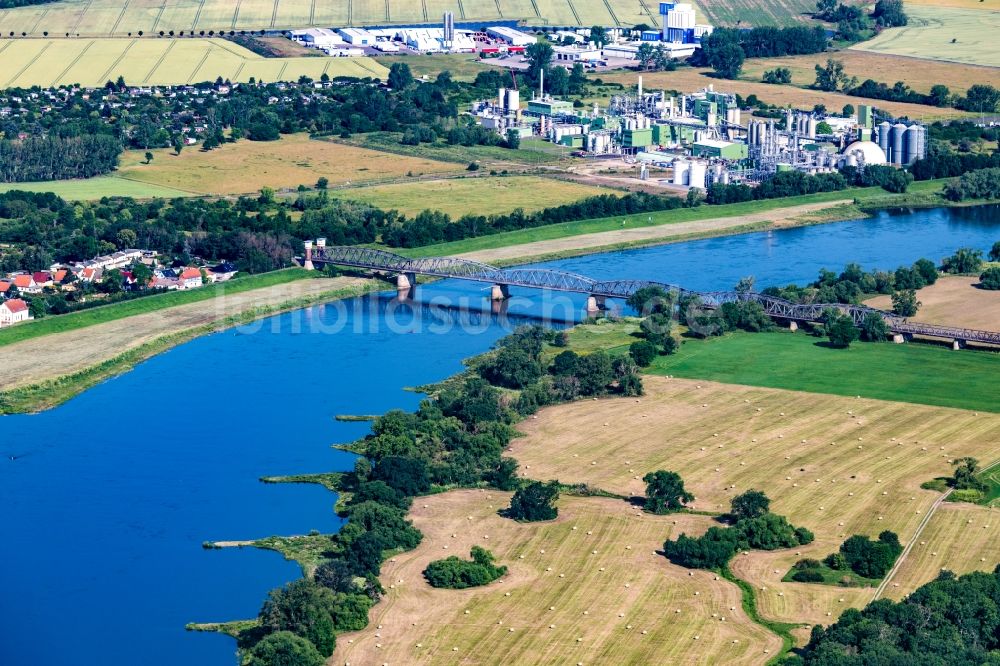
[[109, 497]]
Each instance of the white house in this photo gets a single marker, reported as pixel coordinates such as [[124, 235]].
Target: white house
[[190, 278], [14, 311]]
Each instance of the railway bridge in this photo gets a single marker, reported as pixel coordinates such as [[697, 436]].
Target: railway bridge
[[405, 271]]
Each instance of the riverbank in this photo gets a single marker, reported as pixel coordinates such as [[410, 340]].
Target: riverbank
[[39, 377], [570, 239]]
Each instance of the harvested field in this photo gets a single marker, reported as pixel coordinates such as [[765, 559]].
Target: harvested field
[[959, 537], [476, 196], [690, 78], [980, 5], [954, 301], [287, 163], [562, 608], [944, 33], [151, 61], [101, 18], [750, 13], [802, 449], [920, 75]]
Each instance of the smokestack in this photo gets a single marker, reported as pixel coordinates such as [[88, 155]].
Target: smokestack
[[639, 93], [541, 83]]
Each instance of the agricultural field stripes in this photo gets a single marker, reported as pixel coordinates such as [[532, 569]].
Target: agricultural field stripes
[[160, 62], [943, 33], [756, 12], [101, 18]]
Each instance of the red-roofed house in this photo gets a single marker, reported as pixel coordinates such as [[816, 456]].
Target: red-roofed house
[[14, 311], [26, 283], [5, 287], [60, 275], [42, 278], [190, 278]]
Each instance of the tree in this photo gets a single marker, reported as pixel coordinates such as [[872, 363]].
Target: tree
[[539, 57], [995, 252], [965, 260], [847, 111], [990, 278], [965, 477], [778, 75], [283, 648], [599, 35], [511, 368], [141, 273], [889, 13], [927, 270], [727, 60], [406, 475], [874, 328], [149, 157], [649, 300], [534, 502], [980, 98], [305, 609], [939, 95], [905, 303], [126, 238], [178, 143], [751, 504], [841, 331], [646, 55], [400, 77], [513, 139], [831, 77], [642, 352], [665, 492], [322, 183]]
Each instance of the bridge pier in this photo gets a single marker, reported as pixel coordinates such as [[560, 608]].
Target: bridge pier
[[500, 292], [595, 305], [307, 262], [406, 285], [793, 326], [898, 338], [958, 344]]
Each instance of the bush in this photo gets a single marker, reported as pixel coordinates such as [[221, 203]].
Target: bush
[[871, 559], [990, 278], [283, 648], [665, 492], [965, 260], [807, 563], [808, 576], [457, 574], [642, 352]]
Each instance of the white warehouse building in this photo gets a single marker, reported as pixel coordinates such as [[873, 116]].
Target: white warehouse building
[[511, 36]]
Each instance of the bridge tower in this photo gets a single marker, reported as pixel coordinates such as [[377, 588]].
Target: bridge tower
[[307, 263]]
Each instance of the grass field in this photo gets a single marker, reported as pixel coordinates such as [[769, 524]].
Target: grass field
[[463, 66], [612, 226], [748, 13], [122, 17], [532, 151], [590, 590], [944, 33], [802, 449], [476, 196], [690, 78], [954, 300], [151, 61], [916, 373], [920, 75], [96, 188], [293, 160]]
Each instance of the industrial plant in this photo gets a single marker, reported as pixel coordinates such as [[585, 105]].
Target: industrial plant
[[703, 135]]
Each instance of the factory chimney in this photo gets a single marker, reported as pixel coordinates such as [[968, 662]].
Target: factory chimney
[[639, 92], [541, 83]]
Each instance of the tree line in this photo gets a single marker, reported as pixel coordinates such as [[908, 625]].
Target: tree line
[[57, 158], [726, 48]]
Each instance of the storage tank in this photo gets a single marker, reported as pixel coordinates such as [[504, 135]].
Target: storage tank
[[725, 178], [513, 100], [915, 149], [696, 174], [883, 137], [502, 98], [898, 155], [681, 172], [789, 120], [737, 115], [811, 127]]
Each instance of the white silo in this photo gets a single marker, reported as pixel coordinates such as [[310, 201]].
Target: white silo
[[513, 100], [681, 172], [789, 120], [915, 148], [696, 175], [811, 127], [502, 98], [883, 136]]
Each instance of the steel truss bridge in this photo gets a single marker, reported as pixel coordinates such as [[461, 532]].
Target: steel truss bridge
[[542, 278]]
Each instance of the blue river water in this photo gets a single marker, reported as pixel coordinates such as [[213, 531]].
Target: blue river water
[[106, 500]]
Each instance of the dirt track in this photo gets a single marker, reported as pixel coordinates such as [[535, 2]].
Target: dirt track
[[52, 356], [777, 218]]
